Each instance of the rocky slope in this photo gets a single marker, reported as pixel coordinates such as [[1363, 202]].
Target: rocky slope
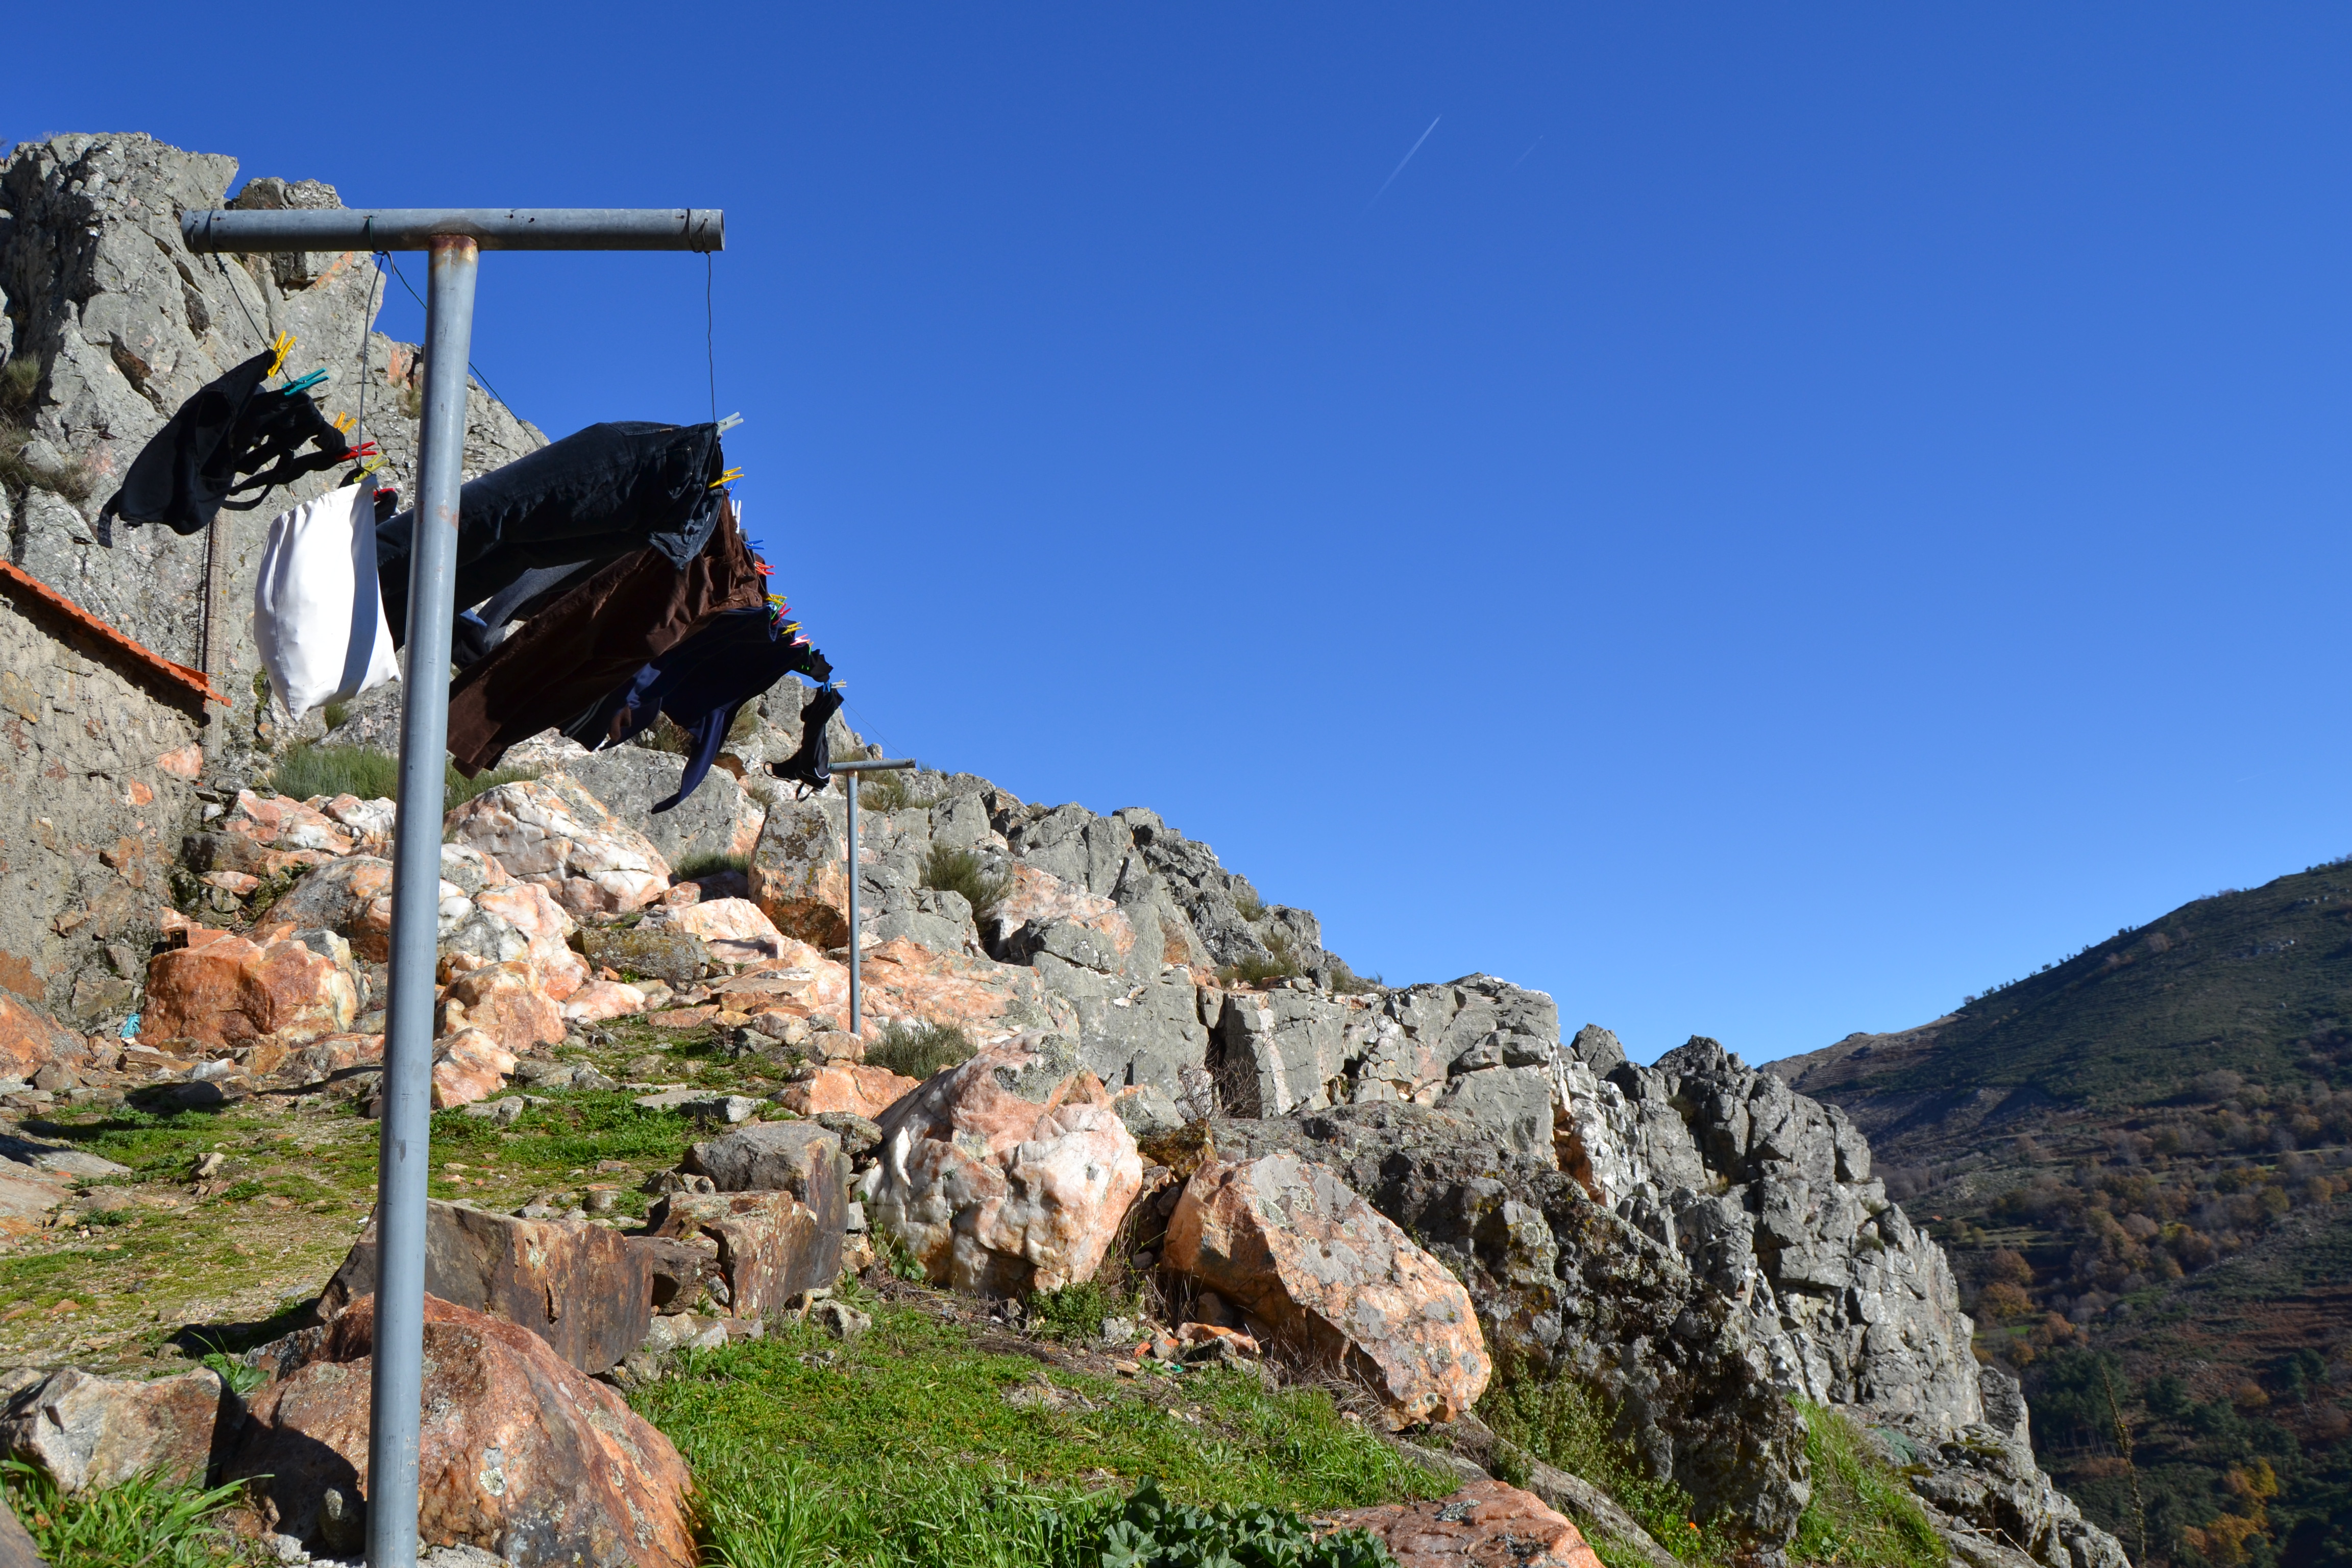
[[1175, 1080], [2139, 1157]]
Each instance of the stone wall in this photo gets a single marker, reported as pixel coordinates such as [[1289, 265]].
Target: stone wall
[[98, 755]]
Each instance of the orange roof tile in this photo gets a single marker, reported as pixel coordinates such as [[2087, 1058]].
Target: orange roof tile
[[192, 680]]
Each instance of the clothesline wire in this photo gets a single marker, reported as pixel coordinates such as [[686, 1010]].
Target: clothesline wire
[[470, 365], [367, 325], [863, 728]]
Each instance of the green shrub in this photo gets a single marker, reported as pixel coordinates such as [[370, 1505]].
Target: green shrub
[[963, 871], [897, 790], [710, 863], [18, 379], [334, 713], [1075, 1312], [1245, 900], [1561, 1423], [1279, 962], [918, 1050], [313, 770], [146, 1520]]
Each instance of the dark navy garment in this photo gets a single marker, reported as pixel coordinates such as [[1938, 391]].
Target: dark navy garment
[[700, 685], [813, 763], [234, 437], [569, 508]]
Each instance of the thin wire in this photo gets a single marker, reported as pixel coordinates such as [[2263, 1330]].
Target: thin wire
[[710, 335], [470, 365], [240, 300], [865, 729], [367, 325]]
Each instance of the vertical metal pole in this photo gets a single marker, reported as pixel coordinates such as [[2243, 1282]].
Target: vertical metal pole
[[403, 1157], [849, 782]]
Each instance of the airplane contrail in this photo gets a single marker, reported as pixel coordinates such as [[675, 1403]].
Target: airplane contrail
[[1400, 168]]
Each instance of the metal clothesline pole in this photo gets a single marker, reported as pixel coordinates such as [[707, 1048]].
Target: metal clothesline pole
[[849, 788], [455, 238]]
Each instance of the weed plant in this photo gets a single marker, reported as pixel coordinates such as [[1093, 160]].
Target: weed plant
[[963, 871], [313, 770], [710, 863], [146, 1520], [918, 1050]]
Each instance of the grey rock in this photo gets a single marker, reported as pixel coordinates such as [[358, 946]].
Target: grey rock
[[675, 958], [788, 1156], [1149, 1110], [717, 819], [1511, 1105]]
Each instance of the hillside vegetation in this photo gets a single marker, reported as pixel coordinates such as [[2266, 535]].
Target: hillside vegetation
[[2138, 1158]]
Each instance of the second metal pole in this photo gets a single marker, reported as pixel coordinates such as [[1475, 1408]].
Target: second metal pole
[[849, 782], [397, 1385]]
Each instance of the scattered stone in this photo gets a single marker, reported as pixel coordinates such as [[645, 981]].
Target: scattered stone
[[732, 931], [468, 1067], [598, 1000], [1486, 1524], [31, 1040], [1334, 1279], [85, 1432], [508, 1002], [840, 1319], [677, 958], [521, 1453], [579, 1287], [230, 992], [771, 1246], [865, 1092], [797, 1157]]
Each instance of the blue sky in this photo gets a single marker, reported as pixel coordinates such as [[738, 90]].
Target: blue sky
[[1773, 518]]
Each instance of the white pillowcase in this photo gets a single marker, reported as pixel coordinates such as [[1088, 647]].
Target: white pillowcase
[[317, 616]]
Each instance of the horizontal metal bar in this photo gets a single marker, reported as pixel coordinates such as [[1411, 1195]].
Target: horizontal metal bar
[[873, 767], [490, 228]]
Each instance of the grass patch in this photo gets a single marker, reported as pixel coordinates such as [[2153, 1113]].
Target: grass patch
[[18, 379], [1245, 900], [313, 770], [710, 863], [334, 713], [903, 1447], [1564, 1425], [573, 1134], [963, 871], [918, 1050], [146, 1520], [1862, 1512], [894, 790]]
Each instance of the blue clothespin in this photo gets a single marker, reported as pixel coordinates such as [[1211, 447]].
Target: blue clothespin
[[305, 385]]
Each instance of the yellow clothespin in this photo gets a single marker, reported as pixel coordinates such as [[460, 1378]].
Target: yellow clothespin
[[342, 422], [284, 345], [369, 465], [729, 476]]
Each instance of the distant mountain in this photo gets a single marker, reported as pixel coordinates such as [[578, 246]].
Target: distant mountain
[[2137, 1160]]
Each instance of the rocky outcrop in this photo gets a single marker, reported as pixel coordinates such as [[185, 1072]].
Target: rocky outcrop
[[233, 991], [551, 832], [1334, 1282], [521, 1454], [1009, 1173]]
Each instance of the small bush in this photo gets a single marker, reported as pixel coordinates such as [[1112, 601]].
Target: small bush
[[146, 1520], [1561, 1423], [1075, 1312], [334, 713], [309, 770], [1345, 982], [918, 1050], [1862, 1512], [1245, 900], [963, 871], [18, 379], [710, 863], [1279, 962], [897, 790]]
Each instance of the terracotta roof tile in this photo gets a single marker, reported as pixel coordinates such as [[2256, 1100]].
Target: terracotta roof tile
[[193, 681]]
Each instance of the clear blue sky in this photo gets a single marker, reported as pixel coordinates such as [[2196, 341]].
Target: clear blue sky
[[1774, 517]]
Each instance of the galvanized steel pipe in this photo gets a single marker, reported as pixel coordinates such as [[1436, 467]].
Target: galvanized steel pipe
[[490, 228], [403, 1153]]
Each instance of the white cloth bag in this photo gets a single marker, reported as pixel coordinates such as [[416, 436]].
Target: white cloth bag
[[317, 616]]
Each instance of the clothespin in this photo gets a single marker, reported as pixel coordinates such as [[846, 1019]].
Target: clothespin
[[284, 346], [729, 423], [342, 422], [729, 476], [293, 388], [369, 465]]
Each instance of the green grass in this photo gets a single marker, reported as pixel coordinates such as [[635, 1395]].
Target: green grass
[[710, 863], [902, 1447], [963, 871], [146, 1521], [311, 770], [1559, 1422], [1075, 1312], [1862, 1512], [896, 790], [574, 1133], [918, 1050]]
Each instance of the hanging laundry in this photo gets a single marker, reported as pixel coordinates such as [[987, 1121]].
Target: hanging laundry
[[593, 497], [317, 619], [233, 427], [813, 763], [576, 651], [701, 685]]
